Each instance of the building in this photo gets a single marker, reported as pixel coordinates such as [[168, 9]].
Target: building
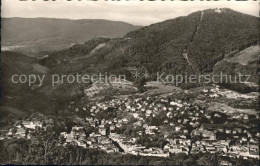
[[20, 132], [102, 131], [31, 124]]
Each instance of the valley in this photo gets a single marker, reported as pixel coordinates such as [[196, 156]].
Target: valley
[[139, 118]]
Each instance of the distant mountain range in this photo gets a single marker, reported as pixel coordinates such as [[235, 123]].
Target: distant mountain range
[[36, 35]]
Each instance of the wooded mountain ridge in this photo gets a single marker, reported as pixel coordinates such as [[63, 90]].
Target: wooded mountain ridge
[[192, 44]]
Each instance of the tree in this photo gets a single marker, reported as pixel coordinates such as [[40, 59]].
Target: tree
[[139, 83], [14, 130], [43, 144]]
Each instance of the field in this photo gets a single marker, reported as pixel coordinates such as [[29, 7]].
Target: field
[[246, 56]]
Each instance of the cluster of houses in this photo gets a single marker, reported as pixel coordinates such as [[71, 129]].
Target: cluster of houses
[[21, 129], [77, 136], [185, 126], [98, 139], [130, 146], [186, 121]]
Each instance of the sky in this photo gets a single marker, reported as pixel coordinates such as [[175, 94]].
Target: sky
[[133, 11]]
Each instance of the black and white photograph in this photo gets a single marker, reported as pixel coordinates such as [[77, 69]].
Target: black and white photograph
[[129, 82]]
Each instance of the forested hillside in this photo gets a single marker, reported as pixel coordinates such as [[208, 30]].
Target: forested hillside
[[220, 33], [192, 44]]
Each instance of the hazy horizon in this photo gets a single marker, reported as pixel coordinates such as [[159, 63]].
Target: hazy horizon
[[141, 13]]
